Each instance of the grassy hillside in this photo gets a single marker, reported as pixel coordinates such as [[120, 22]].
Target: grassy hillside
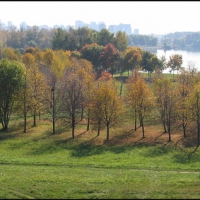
[[38, 164]]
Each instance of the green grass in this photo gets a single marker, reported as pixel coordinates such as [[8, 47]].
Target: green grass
[[38, 165]]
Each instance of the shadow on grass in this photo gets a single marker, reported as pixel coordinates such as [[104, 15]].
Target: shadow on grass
[[9, 133], [158, 151]]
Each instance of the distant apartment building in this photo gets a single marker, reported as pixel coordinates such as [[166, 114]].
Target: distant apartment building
[[10, 24], [113, 28], [136, 31], [2, 25], [94, 26], [126, 28], [102, 25], [80, 24], [121, 27]]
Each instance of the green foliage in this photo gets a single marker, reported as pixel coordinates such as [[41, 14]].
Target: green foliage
[[121, 41], [11, 80], [105, 37], [92, 52], [143, 40]]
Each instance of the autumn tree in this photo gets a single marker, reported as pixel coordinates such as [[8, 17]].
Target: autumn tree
[[11, 81], [109, 57], [184, 87], [107, 107], [11, 54], [194, 98], [71, 91], [37, 87], [166, 96], [132, 58], [52, 67], [175, 62], [139, 97]]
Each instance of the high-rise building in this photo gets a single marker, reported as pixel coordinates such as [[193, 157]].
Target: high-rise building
[[113, 28], [102, 25], [94, 26], [126, 28], [80, 24], [136, 31]]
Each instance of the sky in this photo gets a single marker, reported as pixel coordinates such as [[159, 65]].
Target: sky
[[150, 17]]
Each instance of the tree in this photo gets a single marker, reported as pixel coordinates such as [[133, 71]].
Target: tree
[[105, 37], [11, 81], [132, 58], [52, 67], [121, 41], [151, 63], [71, 91], [107, 107], [92, 52], [175, 62], [166, 96], [109, 57], [37, 86], [184, 87], [83, 36], [139, 98], [58, 39], [11, 54], [194, 99]]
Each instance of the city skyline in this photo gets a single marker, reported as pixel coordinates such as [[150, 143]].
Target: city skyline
[[148, 17]]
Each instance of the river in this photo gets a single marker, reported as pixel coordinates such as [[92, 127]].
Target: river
[[191, 57]]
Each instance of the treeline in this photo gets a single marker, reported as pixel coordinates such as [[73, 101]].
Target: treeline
[[66, 86], [71, 39], [183, 40], [142, 40]]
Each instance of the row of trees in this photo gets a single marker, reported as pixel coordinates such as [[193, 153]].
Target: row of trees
[[71, 39], [182, 40], [111, 59], [142, 40], [64, 86]]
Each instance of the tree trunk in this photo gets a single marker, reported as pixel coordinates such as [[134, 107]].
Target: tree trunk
[[120, 93], [73, 124], [169, 127], [82, 114], [135, 121], [39, 115], [34, 119], [99, 127], [88, 123], [184, 129], [108, 130], [25, 117], [198, 131], [142, 128], [25, 111], [53, 111]]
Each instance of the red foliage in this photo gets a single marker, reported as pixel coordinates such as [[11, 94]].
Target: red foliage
[[105, 76], [109, 55]]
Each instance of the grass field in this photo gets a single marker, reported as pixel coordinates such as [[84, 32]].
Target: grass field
[[40, 165]]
